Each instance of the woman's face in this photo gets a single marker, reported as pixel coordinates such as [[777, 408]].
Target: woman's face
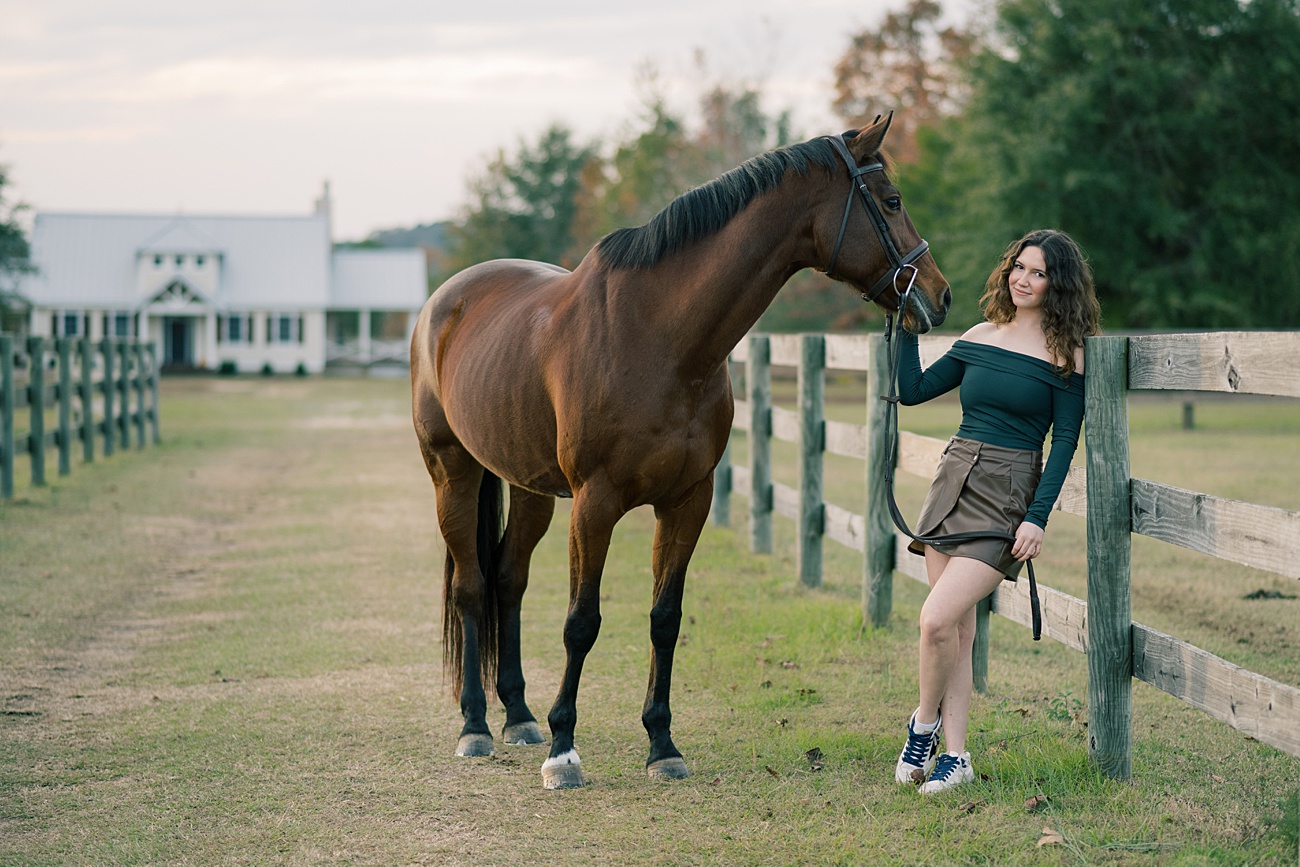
[[1028, 279]]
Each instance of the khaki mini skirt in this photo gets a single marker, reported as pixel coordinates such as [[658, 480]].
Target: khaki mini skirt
[[979, 487]]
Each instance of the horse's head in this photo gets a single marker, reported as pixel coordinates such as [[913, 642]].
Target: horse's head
[[870, 242]]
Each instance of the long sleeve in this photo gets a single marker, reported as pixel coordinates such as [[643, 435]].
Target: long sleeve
[[917, 386], [1067, 420]]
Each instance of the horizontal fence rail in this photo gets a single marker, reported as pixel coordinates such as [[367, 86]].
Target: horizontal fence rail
[[54, 393], [1115, 504]]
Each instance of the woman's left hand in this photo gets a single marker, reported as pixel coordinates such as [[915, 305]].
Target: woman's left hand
[[1029, 542]]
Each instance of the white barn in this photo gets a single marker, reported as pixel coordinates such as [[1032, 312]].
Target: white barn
[[241, 293]]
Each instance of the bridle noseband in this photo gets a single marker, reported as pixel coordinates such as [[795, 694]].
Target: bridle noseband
[[898, 263]]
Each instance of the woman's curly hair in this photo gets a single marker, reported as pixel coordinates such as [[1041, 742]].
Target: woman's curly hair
[[1070, 308]]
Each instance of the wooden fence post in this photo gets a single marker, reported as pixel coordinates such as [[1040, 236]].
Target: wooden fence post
[[758, 377], [36, 403], [124, 395], [6, 416], [86, 352], [1110, 624], [106, 386], [64, 348], [979, 658], [722, 489], [878, 562], [152, 352], [812, 445], [137, 353]]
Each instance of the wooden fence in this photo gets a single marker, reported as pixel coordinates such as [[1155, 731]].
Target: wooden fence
[[1116, 506], [73, 390]]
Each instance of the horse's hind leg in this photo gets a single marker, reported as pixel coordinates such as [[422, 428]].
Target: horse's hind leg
[[469, 630], [676, 534], [530, 516]]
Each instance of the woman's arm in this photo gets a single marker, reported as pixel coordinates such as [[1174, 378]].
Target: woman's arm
[[1067, 420], [917, 386]]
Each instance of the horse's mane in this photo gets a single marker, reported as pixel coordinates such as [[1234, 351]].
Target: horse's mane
[[704, 210]]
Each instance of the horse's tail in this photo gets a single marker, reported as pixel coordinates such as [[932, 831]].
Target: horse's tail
[[490, 520]]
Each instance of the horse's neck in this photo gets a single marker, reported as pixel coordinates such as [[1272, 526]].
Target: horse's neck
[[711, 294]]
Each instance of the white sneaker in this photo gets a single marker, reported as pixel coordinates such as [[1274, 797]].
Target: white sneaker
[[950, 771], [917, 758]]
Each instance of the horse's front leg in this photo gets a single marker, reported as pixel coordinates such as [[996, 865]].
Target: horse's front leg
[[676, 534], [595, 511], [530, 516]]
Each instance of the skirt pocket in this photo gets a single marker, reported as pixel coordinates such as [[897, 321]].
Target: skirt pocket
[[954, 468]]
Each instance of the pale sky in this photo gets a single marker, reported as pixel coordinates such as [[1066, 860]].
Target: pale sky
[[240, 107]]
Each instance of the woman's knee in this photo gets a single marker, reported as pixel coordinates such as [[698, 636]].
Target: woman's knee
[[936, 624]]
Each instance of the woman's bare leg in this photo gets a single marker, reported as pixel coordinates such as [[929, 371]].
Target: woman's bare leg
[[947, 635]]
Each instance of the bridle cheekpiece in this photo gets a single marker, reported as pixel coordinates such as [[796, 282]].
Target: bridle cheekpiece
[[898, 263]]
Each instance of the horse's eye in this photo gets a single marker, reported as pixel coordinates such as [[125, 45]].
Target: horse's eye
[[894, 203]]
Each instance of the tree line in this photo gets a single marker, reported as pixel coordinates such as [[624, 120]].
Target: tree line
[[1164, 135]]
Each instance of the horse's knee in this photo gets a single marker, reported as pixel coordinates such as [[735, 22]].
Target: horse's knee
[[580, 630], [665, 624]]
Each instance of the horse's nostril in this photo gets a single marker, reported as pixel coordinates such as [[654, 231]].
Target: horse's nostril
[[947, 298]]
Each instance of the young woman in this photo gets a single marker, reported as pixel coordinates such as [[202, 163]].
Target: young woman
[[1021, 374]]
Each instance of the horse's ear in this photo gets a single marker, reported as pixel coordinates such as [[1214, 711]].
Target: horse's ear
[[870, 138]]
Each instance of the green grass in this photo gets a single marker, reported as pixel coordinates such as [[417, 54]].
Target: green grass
[[225, 650]]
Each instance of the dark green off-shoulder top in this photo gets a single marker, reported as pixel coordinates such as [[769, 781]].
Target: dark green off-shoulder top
[[1008, 399]]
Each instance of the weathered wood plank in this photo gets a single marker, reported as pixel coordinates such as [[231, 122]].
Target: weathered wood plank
[[785, 424], [847, 352], [931, 349], [845, 438], [908, 563], [785, 501], [785, 349], [1251, 703], [740, 481], [1237, 362], [847, 528], [919, 455], [1074, 493], [1259, 536], [1065, 618], [740, 421]]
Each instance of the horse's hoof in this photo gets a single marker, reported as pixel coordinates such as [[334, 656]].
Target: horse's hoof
[[563, 772], [522, 734], [672, 768], [475, 745]]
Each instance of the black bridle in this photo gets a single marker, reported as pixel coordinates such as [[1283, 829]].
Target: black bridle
[[898, 262], [893, 350]]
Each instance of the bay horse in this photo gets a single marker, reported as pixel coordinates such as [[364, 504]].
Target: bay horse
[[609, 384]]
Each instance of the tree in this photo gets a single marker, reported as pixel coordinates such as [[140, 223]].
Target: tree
[[14, 259], [526, 205], [909, 65], [1162, 134]]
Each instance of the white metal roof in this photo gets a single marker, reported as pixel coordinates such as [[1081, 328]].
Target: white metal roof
[[268, 263], [379, 279]]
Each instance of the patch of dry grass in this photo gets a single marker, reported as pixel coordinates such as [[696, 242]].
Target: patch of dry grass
[[226, 650]]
